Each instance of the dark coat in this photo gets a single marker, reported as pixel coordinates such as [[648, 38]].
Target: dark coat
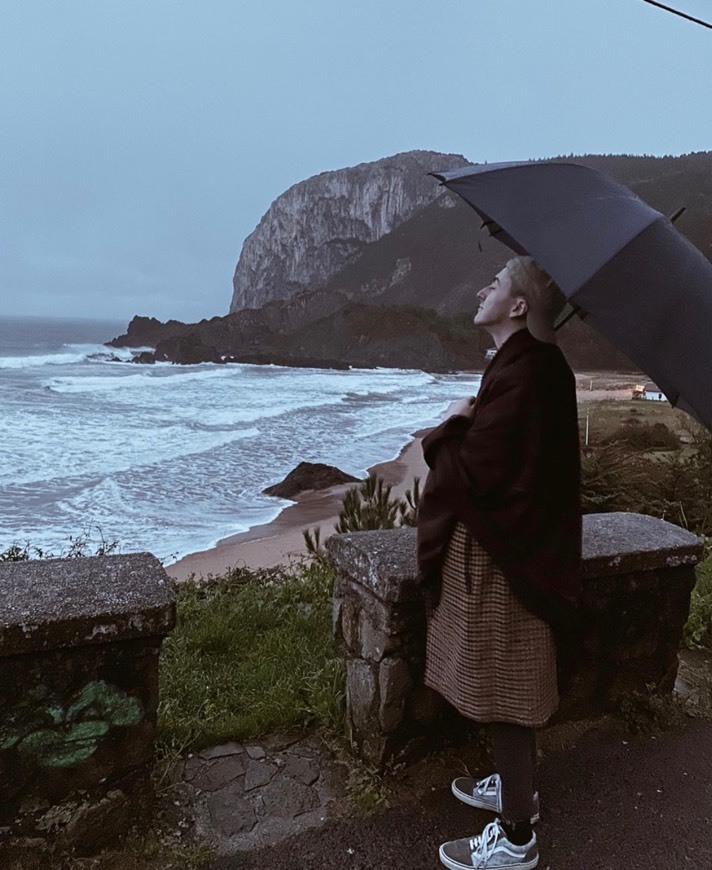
[[511, 474]]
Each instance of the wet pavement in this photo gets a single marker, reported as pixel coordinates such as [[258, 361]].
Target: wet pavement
[[609, 801]]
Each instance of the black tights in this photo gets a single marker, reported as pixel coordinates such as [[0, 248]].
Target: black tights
[[515, 758]]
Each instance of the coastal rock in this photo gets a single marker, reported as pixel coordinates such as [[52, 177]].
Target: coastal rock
[[145, 358], [309, 475], [148, 331], [186, 349]]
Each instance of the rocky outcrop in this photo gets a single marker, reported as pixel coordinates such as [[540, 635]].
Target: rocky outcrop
[[186, 349], [309, 475], [314, 229], [147, 332], [348, 334]]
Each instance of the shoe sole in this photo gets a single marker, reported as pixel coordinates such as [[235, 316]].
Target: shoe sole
[[481, 805], [455, 865]]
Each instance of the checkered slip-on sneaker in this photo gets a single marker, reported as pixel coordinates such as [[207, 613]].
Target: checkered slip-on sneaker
[[486, 794], [491, 850]]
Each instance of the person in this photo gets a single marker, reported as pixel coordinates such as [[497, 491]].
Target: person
[[499, 554]]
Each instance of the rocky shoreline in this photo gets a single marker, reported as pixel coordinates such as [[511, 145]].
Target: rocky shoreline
[[352, 335]]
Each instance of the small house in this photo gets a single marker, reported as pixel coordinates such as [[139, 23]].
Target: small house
[[649, 392]]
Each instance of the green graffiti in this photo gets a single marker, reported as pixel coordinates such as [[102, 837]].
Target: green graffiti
[[43, 731]]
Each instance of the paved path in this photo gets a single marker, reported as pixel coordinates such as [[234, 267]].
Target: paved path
[[640, 804]]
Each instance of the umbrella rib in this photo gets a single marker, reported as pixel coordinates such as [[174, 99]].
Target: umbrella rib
[[565, 319]]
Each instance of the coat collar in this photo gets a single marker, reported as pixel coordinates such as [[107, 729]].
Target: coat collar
[[519, 343]]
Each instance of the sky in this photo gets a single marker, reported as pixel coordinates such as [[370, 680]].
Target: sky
[[141, 142]]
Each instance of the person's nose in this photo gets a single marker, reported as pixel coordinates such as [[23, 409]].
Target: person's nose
[[482, 294]]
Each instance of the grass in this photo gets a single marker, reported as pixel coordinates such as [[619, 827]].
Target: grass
[[252, 654]]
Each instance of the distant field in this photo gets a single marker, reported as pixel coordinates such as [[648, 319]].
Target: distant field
[[609, 380], [606, 415]]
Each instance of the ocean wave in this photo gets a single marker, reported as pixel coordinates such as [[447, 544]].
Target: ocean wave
[[172, 458], [159, 376], [114, 451], [52, 359], [97, 383], [71, 354], [368, 396]]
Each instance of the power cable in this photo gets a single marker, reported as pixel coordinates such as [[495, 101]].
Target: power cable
[[677, 12]]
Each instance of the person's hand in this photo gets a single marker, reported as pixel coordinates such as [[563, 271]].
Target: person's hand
[[462, 407]]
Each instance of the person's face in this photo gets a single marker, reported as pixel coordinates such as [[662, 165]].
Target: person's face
[[497, 305]]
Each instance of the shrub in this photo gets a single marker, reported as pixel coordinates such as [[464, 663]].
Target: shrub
[[676, 487], [614, 479], [698, 630], [645, 436], [649, 710], [409, 506], [690, 482], [90, 542], [367, 507]]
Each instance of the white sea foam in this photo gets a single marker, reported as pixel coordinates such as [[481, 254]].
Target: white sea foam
[[173, 458], [52, 359], [70, 354]]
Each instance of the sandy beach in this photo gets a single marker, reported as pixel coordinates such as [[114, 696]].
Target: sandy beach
[[281, 541]]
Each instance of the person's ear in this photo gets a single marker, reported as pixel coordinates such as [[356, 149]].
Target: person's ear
[[520, 307]]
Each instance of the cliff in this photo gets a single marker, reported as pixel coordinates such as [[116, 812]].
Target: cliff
[[316, 227]]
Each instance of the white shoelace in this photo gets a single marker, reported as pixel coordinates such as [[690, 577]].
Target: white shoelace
[[484, 784], [484, 844]]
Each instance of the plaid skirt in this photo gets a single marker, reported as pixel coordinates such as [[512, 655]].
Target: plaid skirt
[[486, 654]]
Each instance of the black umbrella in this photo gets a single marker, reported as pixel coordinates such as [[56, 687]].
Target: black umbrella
[[622, 264]]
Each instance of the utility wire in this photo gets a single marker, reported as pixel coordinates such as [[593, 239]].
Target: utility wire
[[677, 12]]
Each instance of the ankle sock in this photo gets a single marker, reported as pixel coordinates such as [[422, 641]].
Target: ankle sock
[[519, 833]]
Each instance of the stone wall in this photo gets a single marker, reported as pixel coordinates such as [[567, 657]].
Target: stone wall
[[79, 646], [638, 575]]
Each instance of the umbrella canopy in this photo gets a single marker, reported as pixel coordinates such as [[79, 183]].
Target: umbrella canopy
[[638, 281]]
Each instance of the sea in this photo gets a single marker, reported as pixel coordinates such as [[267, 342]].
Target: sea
[[171, 459]]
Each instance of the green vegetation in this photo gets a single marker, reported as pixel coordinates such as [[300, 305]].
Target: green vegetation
[[649, 710], [368, 786], [370, 506], [698, 630], [366, 507], [636, 461], [252, 654], [639, 435], [90, 542]]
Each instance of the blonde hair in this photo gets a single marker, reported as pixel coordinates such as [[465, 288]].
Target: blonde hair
[[538, 289], [531, 282]]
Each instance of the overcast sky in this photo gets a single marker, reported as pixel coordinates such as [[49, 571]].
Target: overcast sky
[[142, 140]]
